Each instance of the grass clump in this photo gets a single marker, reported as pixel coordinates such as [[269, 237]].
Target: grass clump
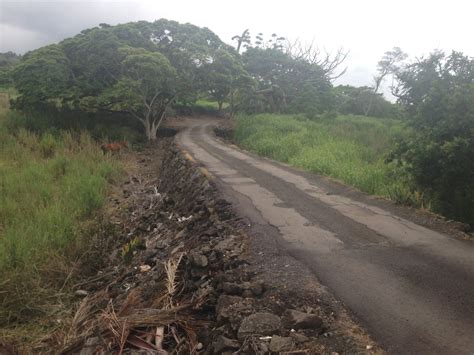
[[348, 148], [50, 186]]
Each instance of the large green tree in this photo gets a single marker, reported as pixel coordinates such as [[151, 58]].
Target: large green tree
[[42, 76], [138, 68], [286, 84], [145, 88], [388, 65], [223, 76], [439, 95]]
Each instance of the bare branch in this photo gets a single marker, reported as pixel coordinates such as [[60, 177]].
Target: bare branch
[[311, 54]]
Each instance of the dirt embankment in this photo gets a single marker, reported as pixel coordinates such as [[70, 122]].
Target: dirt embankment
[[184, 277]]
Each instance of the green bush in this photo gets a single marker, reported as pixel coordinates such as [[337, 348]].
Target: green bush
[[439, 152]]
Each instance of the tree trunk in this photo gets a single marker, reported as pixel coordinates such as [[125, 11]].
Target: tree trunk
[[152, 135], [220, 103], [378, 81], [152, 120], [155, 126], [232, 104], [147, 126]]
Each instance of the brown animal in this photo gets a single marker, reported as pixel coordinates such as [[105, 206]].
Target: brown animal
[[114, 147]]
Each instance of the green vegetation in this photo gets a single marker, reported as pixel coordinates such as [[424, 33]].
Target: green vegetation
[[210, 105], [140, 69], [348, 148], [439, 153], [431, 160], [8, 61], [356, 101], [50, 184], [144, 71]]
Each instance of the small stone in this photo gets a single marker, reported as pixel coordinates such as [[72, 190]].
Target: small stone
[[262, 323], [81, 293], [224, 304], [231, 288], [199, 260], [225, 344], [299, 338], [301, 320], [145, 268], [206, 249], [225, 245], [279, 344]]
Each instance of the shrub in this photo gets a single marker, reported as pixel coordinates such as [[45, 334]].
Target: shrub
[[439, 152]]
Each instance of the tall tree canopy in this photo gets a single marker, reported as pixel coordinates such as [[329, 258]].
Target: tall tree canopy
[[139, 68], [7, 61], [285, 84]]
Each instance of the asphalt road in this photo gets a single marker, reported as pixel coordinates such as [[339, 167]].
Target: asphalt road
[[410, 286]]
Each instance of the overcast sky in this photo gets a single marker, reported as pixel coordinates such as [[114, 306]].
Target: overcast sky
[[367, 28]]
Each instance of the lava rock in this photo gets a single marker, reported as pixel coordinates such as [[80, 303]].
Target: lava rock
[[226, 244], [225, 303], [199, 259], [299, 338], [300, 320], [261, 323], [279, 344], [232, 288], [255, 287], [224, 344]]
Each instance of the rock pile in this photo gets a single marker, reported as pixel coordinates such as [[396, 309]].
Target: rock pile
[[177, 281]]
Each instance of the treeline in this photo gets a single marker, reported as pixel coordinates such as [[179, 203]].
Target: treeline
[[144, 70], [8, 61]]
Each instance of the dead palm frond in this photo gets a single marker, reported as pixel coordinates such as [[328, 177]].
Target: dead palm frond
[[171, 268]]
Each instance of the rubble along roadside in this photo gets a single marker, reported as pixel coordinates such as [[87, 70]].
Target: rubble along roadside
[[182, 278]]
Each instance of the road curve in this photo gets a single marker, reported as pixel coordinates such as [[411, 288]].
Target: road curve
[[410, 286]]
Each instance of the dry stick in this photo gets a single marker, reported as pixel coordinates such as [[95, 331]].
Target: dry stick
[[97, 278], [123, 338], [160, 331]]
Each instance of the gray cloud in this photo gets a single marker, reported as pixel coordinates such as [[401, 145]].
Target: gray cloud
[[367, 28], [31, 24]]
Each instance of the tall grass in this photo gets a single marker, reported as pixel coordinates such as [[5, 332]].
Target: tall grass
[[348, 148], [50, 183]]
